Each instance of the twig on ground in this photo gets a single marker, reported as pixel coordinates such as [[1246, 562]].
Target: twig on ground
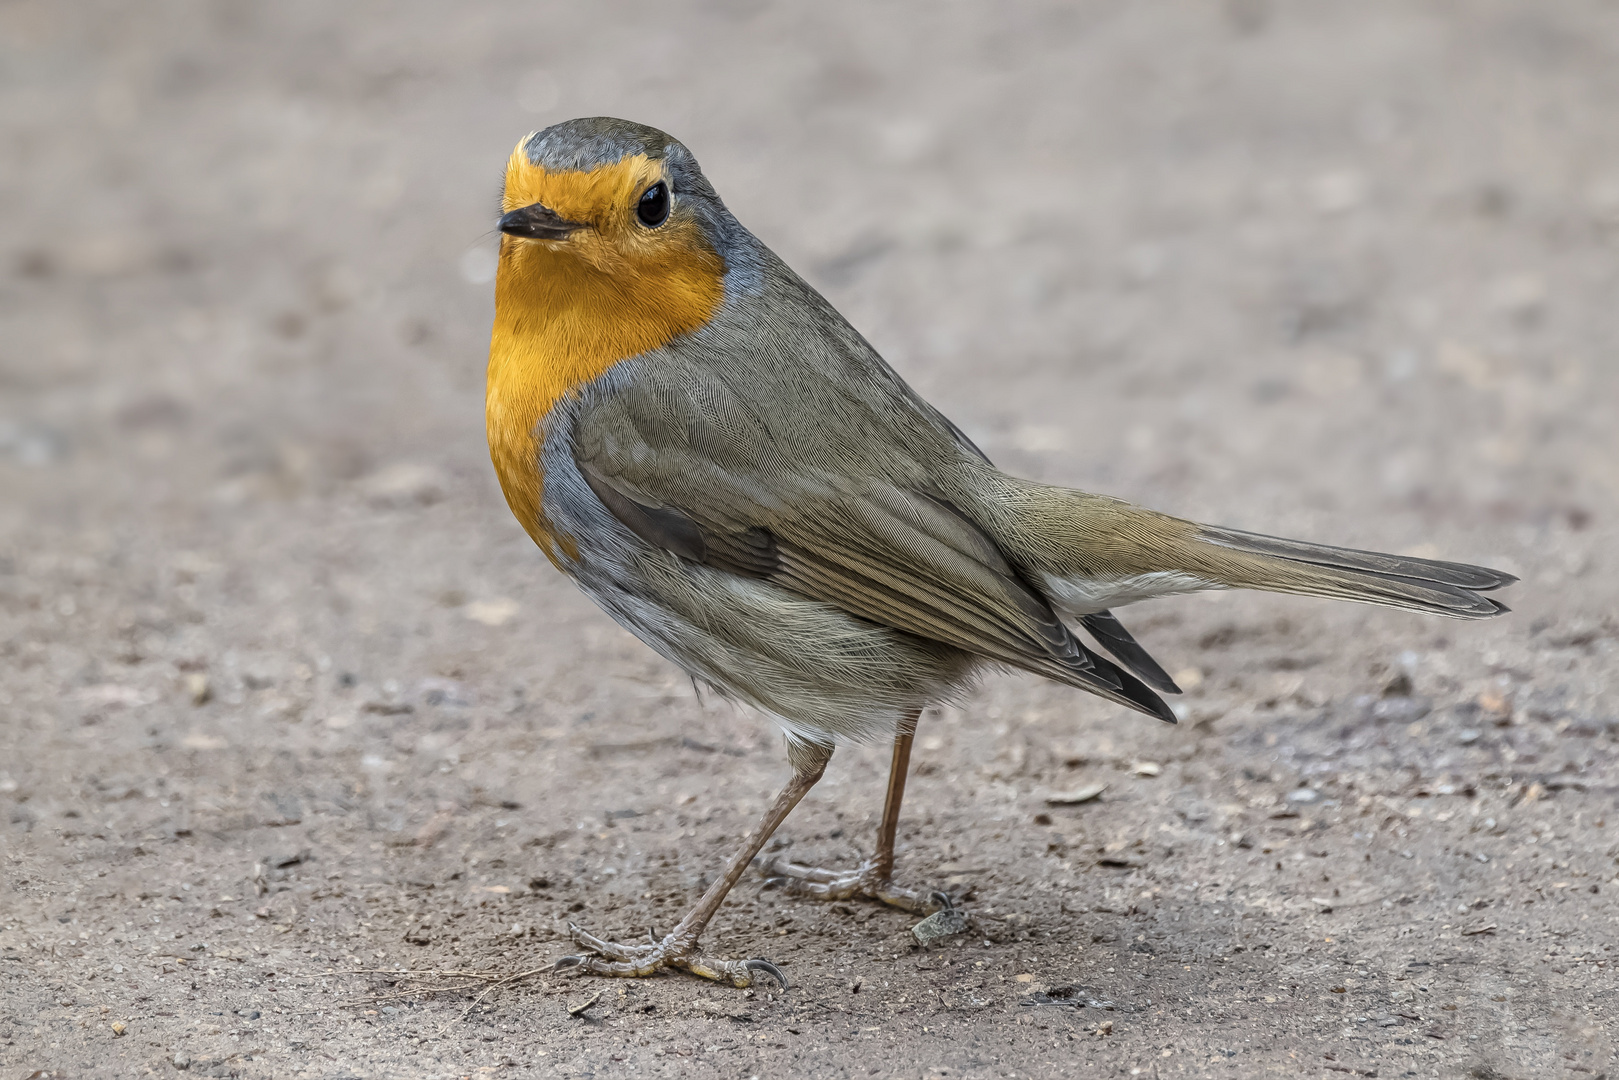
[[490, 981]]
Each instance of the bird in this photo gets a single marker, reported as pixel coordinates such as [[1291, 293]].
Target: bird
[[724, 465]]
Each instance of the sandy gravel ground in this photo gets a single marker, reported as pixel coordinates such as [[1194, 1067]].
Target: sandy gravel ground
[[285, 694]]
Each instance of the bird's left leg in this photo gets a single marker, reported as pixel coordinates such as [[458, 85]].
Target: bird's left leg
[[679, 948], [873, 878]]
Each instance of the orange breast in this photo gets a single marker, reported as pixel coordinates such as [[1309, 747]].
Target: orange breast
[[568, 311]]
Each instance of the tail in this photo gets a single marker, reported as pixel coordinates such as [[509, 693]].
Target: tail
[[1091, 553], [1247, 560]]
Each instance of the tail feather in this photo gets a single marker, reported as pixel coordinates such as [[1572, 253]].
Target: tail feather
[[1295, 566], [1461, 575], [1091, 553]]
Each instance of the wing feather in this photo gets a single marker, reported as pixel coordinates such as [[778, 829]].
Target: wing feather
[[879, 549]]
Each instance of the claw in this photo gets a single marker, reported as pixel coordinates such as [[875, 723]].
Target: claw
[[563, 963], [942, 898], [760, 964]]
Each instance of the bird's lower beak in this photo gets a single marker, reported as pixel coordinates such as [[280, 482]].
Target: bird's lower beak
[[536, 222]]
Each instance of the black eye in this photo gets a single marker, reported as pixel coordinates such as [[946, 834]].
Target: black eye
[[654, 206]]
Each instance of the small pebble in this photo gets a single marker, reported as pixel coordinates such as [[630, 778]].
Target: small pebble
[[1303, 795], [182, 1060], [942, 923], [118, 1027], [1147, 768], [1469, 736], [1076, 797]]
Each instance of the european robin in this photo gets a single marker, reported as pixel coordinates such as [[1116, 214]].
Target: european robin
[[724, 465]]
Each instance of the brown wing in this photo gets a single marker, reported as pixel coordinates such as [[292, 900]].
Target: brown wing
[[902, 558]]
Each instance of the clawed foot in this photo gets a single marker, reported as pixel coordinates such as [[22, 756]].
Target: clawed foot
[[866, 882], [675, 951]]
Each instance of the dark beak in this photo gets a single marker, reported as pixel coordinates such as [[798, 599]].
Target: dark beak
[[536, 222]]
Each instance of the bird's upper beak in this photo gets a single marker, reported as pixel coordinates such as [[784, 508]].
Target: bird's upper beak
[[537, 222]]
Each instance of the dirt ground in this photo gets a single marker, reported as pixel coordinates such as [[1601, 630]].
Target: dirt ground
[[290, 705]]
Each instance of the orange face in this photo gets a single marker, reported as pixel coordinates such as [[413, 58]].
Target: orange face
[[567, 309], [603, 201]]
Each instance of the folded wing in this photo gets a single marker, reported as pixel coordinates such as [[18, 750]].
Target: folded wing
[[899, 556]]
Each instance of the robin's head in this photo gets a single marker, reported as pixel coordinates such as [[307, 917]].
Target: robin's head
[[621, 198]]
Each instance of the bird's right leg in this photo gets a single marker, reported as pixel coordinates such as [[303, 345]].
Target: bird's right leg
[[873, 878]]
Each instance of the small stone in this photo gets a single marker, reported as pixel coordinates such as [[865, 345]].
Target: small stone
[[118, 1027], [1077, 796], [1401, 710], [197, 688], [1469, 736], [182, 1060], [496, 612], [943, 923], [1303, 795], [1147, 768]]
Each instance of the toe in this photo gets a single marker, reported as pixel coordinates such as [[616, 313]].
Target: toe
[[739, 973], [780, 871], [611, 950]]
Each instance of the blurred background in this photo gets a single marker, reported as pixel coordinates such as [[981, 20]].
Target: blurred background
[[1322, 269]]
